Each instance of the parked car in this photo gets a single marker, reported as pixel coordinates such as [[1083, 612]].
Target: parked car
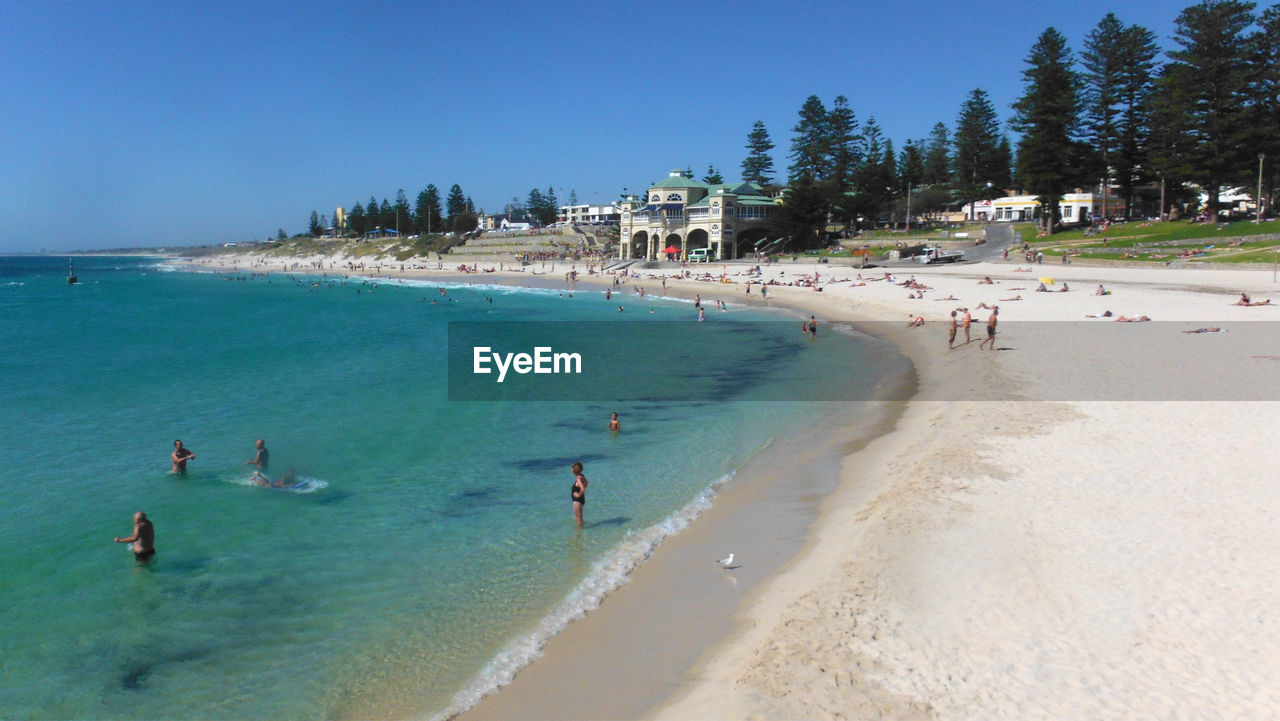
[[701, 255]]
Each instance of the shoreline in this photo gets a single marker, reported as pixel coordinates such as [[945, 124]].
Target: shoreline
[[950, 578], [672, 582]]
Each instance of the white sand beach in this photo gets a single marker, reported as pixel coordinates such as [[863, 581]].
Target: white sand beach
[[1078, 525]]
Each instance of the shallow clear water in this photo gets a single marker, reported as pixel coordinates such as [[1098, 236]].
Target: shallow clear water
[[435, 554]]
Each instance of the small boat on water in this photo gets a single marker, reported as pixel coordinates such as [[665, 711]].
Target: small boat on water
[[71, 273]]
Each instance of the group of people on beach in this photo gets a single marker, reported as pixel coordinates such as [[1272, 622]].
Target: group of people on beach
[[962, 318], [144, 534]]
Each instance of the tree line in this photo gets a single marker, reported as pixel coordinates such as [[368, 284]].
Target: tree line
[[1201, 120], [427, 215]]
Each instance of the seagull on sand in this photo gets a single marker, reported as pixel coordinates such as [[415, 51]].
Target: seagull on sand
[[726, 562]]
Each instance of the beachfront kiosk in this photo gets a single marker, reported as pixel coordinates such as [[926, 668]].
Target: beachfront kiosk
[[682, 214]]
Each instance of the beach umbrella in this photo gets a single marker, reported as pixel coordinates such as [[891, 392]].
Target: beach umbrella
[[1047, 280]]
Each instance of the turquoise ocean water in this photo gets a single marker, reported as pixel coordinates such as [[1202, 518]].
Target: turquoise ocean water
[[435, 550]]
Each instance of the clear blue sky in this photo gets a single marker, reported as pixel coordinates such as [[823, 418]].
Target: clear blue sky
[[158, 123]]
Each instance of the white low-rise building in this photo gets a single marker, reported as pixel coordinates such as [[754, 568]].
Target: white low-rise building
[[590, 214], [1074, 208]]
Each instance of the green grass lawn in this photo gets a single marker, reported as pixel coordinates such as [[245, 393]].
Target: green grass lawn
[[1123, 241], [1130, 233]]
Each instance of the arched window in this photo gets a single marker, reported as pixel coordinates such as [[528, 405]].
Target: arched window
[[674, 198], [655, 198]]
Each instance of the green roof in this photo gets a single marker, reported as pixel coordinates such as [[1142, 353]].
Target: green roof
[[679, 182], [755, 200]]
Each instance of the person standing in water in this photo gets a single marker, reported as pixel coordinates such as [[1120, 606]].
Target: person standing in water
[[614, 423], [261, 461], [143, 538], [181, 454], [578, 493]]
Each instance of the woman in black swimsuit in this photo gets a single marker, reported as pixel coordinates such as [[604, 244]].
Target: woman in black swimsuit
[[578, 493]]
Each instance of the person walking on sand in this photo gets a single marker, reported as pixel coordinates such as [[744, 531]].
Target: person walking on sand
[[991, 329], [181, 454], [966, 320], [951, 338], [578, 493], [143, 538]]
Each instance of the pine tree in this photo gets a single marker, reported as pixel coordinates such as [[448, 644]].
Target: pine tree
[[809, 152], [871, 190], [536, 204], [426, 211], [386, 215], [1137, 83], [937, 158], [1211, 70], [455, 204], [1047, 117], [374, 217], [1265, 118], [803, 214], [434, 222], [889, 176], [843, 146], [1116, 84], [757, 167], [551, 207], [1100, 92], [403, 220], [1002, 165], [976, 158], [910, 166], [356, 220], [713, 176], [313, 227], [1170, 138]]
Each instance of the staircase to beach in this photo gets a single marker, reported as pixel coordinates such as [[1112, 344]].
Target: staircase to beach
[[499, 245]]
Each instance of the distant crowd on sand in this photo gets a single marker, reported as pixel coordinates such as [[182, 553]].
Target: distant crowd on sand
[[961, 317]]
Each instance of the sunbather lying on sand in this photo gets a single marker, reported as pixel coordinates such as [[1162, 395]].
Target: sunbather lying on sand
[[1135, 319], [1214, 329], [1006, 300], [1244, 300]]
